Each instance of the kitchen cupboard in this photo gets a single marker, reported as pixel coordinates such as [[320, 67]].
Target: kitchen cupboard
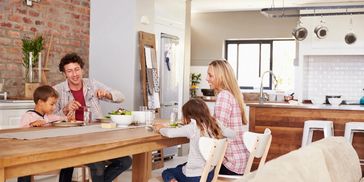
[[10, 113]]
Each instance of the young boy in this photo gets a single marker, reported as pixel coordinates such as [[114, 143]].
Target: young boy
[[45, 99]]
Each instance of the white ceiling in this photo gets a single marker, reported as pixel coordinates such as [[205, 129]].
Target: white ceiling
[[246, 5]]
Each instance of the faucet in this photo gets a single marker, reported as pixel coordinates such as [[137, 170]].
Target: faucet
[[261, 98]]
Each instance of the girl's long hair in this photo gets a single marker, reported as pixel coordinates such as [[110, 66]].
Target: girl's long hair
[[225, 80], [197, 109]]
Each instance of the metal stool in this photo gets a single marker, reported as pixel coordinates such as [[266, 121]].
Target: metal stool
[[311, 125], [350, 129]]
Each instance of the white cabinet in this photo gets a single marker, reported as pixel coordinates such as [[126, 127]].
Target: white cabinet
[[10, 113]]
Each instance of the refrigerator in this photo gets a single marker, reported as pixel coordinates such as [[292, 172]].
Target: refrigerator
[[169, 80]]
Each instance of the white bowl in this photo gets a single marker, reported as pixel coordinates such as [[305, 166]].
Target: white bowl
[[318, 100], [139, 116], [123, 120], [335, 101]]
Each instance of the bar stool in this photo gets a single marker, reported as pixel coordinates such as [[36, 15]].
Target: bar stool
[[311, 125], [350, 129]]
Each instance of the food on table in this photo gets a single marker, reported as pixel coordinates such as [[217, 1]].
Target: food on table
[[120, 111]]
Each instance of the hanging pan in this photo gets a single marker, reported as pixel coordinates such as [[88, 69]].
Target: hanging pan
[[321, 31], [350, 38], [299, 33]]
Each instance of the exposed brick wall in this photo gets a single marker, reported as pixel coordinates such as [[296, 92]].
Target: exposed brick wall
[[67, 20]]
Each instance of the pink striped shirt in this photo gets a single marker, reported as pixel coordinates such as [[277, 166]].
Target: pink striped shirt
[[227, 111], [31, 116]]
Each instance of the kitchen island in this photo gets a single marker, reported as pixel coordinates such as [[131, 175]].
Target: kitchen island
[[286, 122]]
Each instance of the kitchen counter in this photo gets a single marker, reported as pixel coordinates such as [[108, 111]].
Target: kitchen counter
[[309, 106], [16, 104], [286, 122]]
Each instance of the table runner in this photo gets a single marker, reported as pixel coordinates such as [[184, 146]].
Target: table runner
[[57, 132]]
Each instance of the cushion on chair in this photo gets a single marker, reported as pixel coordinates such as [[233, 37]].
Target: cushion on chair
[[332, 159]]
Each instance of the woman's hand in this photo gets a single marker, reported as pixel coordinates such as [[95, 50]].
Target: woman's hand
[[101, 94], [37, 123]]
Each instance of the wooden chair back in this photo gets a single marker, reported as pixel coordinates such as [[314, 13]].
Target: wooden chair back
[[213, 151], [258, 145]]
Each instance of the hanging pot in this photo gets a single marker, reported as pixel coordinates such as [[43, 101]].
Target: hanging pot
[[350, 38], [299, 33], [321, 31]]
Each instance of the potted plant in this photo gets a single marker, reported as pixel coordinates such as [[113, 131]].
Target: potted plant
[[31, 47], [34, 46], [195, 80]]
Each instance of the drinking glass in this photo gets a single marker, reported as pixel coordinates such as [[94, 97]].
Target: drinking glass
[[144, 110]]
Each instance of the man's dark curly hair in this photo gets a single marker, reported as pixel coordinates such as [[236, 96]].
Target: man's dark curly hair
[[70, 58]]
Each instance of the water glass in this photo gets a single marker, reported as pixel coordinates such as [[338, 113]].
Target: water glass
[[86, 116], [149, 117]]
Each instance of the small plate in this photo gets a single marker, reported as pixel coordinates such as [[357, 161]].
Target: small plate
[[67, 124]]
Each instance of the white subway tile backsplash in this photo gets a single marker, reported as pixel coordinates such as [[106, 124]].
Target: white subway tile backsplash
[[333, 75]]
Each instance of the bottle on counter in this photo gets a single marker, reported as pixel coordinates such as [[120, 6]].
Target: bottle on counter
[[362, 100]]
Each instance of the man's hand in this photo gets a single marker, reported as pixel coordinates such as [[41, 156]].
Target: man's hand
[[71, 107], [37, 123], [101, 94]]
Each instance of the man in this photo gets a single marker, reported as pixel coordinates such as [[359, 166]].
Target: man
[[78, 93]]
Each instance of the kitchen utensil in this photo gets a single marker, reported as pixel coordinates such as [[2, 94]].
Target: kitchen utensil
[[208, 92], [350, 38], [335, 101], [299, 33], [321, 31], [331, 96]]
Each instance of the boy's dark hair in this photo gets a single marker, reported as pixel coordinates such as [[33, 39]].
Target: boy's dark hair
[[43, 93], [70, 58]]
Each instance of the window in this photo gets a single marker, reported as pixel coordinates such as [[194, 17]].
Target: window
[[251, 58]]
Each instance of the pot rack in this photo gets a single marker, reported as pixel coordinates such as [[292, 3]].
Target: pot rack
[[287, 12]]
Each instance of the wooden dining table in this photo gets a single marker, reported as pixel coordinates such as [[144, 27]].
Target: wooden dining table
[[20, 157]]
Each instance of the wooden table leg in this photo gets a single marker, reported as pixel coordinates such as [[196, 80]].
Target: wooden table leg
[[2, 175], [142, 167]]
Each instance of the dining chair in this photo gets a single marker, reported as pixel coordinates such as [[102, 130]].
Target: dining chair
[[213, 151], [258, 145]]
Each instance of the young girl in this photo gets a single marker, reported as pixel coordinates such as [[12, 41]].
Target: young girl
[[197, 122], [229, 109]]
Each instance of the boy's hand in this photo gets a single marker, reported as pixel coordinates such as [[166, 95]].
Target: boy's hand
[[37, 123]]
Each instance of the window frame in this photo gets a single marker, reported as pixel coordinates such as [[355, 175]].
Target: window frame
[[260, 42]]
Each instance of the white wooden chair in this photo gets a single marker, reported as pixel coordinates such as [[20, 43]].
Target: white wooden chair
[[213, 151], [258, 145]]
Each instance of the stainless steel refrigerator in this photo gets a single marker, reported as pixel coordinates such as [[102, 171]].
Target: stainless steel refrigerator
[[169, 82]]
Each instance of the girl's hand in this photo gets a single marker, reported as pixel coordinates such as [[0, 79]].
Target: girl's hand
[[158, 126], [37, 123]]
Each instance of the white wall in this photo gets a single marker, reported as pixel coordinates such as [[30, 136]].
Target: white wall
[[114, 53], [113, 47]]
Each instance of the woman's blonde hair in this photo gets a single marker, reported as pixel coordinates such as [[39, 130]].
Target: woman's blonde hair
[[225, 80], [197, 109]]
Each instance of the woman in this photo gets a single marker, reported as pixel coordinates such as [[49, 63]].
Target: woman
[[229, 109]]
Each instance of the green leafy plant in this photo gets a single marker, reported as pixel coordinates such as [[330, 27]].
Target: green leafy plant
[[32, 45], [195, 78]]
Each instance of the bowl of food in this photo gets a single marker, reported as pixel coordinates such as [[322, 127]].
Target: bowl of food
[[335, 101], [123, 120], [121, 117]]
